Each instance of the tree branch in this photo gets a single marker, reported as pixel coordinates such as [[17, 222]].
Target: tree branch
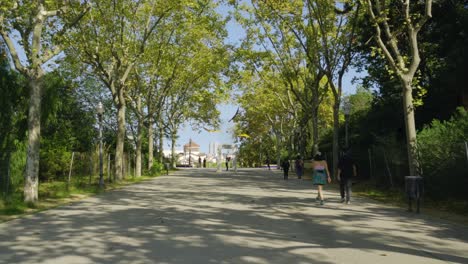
[[13, 51], [149, 30], [127, 72], [391, 39], [74, 22], [427, 16], [378, 36]]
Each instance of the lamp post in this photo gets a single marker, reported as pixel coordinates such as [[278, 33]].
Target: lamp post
[[190, 153], [218, 158], [100, 111], [347, 110]]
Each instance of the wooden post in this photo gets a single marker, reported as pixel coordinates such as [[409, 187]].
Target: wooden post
[[466, 149], [7, 187], [108, 167], [129, 166], [70, 171], [90, 168], [370, 164], [388, 168], [124, 168]]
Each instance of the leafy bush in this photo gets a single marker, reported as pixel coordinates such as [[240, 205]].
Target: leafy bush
[[18, 163], [443, 156], [390, 161], [55, 160], [156, 169]]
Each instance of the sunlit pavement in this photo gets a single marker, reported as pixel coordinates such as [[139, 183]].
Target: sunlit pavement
[[249, 216]]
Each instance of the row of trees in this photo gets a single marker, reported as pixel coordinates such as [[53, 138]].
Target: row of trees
[[297, 52], [162, 60], [158, 64], [310, 45]]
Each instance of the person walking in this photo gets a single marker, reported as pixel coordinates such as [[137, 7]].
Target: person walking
[[285, 166], [268, 163], [346, 170], [204, 162], [299, 167], [321, 175], [227, 163]]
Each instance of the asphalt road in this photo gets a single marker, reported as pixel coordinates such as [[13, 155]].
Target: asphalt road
[[252, 216]]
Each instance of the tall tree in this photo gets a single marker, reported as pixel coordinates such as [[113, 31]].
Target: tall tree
[[185, 56], [35, 30], [296, 36], [312, 40], [336, 31], [196, 90], [155, 77], [263, 101], [111, 41], [399, 46]]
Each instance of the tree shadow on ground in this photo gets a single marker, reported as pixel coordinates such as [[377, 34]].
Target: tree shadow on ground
[[247, 217]]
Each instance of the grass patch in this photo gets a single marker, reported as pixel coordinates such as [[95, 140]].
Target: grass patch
[[11, 206], [53, 194], [389, 196], [448, 209]]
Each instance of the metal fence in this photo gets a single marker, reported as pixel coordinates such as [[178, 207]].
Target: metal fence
[[383, 166], [80, 168], [5, 174], [84, 167]]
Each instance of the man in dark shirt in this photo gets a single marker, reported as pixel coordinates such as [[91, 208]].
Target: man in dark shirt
[[227, 163], [285, 166], [346, 170]]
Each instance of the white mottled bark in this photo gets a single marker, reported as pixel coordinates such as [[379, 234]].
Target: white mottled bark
[[31, 180]]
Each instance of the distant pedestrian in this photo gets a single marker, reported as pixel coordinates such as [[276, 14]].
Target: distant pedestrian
[[227, 163], [268, 163], [285, 166], [299, 164], [166, 167], [204, 162], [321, 175], [199, 162], [346, 170]]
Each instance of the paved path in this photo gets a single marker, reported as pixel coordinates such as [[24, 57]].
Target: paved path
[[197, 216]]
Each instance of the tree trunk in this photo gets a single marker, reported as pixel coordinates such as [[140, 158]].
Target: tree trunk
[[138, 151], [150, 143], [315, 109], [315, 132], [278, 150], [31, 181], [173, 153], [119, 150], [161, 144], [300, 140], [138, 142], [315, 88], [408, 111], [336, 124]]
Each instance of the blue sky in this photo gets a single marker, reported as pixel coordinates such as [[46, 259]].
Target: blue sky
[[236, 33]]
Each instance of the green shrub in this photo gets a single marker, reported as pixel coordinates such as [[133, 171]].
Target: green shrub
[[18, 163], [443, 156], [55, 161], [156, 169]]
